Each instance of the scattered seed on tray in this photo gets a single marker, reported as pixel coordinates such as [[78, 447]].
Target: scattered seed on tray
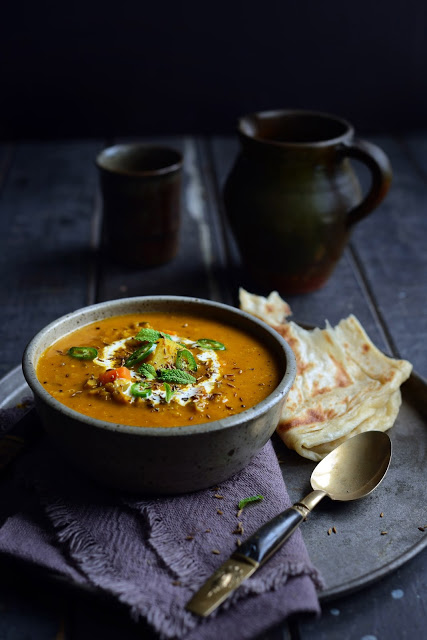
[[384, 533], [381, 515], [219, 496], [334, 529], [219, 512], [329, 531], [216, 552]]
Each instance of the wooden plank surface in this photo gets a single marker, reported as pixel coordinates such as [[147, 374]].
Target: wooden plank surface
[[393, 609], [49, 212], [390, 247], [47, 252]]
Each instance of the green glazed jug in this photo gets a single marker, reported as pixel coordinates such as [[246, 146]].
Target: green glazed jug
[[292, 196]]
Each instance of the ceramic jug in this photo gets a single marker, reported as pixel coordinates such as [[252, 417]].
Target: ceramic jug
[[292, 197]]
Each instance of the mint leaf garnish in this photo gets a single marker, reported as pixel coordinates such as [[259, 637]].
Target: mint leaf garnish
[[169, 392], [245, 501], [176, 376], [148, 335], [148, 371], [151, 335]]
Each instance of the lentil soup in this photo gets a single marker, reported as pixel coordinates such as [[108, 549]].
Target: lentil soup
[[158, 370]]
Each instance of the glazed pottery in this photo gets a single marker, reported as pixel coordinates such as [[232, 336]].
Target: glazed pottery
[[293, 197], [141, 191], [160, 460]]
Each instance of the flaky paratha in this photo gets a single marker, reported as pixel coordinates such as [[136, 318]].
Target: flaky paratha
[[344, 383]]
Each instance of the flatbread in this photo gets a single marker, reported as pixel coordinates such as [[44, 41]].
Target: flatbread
[[344, 383]]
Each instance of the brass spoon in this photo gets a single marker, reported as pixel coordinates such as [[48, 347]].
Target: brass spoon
[[351, 471]]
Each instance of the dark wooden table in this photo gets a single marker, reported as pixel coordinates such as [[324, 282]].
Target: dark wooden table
[[50, 264]]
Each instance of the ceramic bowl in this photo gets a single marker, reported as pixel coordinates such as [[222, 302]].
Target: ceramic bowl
[[160, 460]]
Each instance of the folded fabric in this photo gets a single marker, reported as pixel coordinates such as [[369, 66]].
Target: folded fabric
[[153, 553]]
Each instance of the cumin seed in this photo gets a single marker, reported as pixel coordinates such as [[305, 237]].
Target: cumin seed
[[216, 552]]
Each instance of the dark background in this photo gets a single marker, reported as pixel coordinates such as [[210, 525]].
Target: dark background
[[138, 68]]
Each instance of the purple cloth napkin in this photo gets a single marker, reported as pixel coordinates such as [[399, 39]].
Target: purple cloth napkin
[[152, 554]]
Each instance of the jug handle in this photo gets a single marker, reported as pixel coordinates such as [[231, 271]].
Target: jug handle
[[379, 165]]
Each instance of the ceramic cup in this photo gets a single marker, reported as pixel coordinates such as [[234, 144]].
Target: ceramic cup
[[292, 197], [141, 191]]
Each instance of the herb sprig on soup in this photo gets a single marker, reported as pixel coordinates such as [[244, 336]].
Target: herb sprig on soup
[[158, 369]]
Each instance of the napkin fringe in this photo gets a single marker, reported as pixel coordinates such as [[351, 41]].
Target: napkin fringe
[[93, 563], [273, 580], [163, 541], [278, 576]]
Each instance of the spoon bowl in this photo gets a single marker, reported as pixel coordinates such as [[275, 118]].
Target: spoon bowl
[[355, 468]]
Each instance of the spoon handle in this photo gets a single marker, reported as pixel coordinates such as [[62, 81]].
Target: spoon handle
[[268, 538], [251, 554]]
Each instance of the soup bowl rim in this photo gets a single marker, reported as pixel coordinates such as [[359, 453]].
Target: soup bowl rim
[[31, 357]]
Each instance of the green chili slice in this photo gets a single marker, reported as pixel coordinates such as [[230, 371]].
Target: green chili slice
[[83, 353], [140, 390], [185, 360], [140, 354], [206, 343]]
